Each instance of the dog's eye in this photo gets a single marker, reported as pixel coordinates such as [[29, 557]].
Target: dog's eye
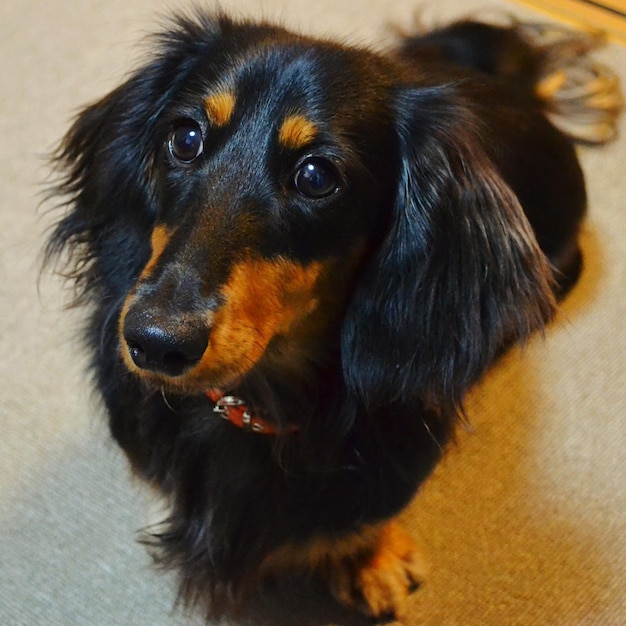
[[316, 178], [185, 143]]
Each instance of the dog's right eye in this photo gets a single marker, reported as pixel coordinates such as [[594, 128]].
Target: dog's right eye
[[185, 143]]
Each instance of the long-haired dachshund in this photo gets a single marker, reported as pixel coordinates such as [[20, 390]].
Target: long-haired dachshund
[[298, 256]]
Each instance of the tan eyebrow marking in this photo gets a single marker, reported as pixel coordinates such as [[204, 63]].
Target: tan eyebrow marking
[[219, 108], [296, 132]]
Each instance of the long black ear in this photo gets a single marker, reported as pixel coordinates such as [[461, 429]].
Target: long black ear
[[105, 164], [459, 275], [106, 161]]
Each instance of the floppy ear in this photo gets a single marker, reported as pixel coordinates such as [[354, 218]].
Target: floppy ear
[[459, 274], [107, 158]]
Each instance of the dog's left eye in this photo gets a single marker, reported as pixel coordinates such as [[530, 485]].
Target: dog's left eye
[[185, 143], [316, 178]]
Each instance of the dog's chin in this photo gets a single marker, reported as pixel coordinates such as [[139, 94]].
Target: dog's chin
[[187, 384]]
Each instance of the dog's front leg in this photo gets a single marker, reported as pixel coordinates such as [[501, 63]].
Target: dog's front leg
[[373, 571]]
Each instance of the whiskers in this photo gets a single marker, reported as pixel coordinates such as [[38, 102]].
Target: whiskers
[[165, 400]]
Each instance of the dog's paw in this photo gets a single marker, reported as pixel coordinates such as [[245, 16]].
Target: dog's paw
[[380, 585]]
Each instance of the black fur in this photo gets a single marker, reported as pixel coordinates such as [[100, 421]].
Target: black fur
[[462, 200]]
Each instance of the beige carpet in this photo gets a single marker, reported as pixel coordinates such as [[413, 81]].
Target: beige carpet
[[525, 521]]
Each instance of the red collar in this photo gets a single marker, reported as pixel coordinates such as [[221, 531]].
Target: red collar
[[235, 411]]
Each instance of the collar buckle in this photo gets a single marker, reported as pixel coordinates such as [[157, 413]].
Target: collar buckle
[[223, 404], [234, 410]]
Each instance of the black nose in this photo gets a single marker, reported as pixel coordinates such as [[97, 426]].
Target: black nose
[[167, 346]]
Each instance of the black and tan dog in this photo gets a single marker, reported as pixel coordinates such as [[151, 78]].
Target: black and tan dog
[[298, 256]]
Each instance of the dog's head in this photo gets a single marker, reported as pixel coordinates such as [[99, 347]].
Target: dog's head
[[252, 197]]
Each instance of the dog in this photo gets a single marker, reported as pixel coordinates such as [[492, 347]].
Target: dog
[[298, 256]]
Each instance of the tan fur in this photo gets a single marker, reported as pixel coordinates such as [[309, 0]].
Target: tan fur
[[296, 132], [159, 240], [262, 299], [373, 571], [220, 107], [161, 236]]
